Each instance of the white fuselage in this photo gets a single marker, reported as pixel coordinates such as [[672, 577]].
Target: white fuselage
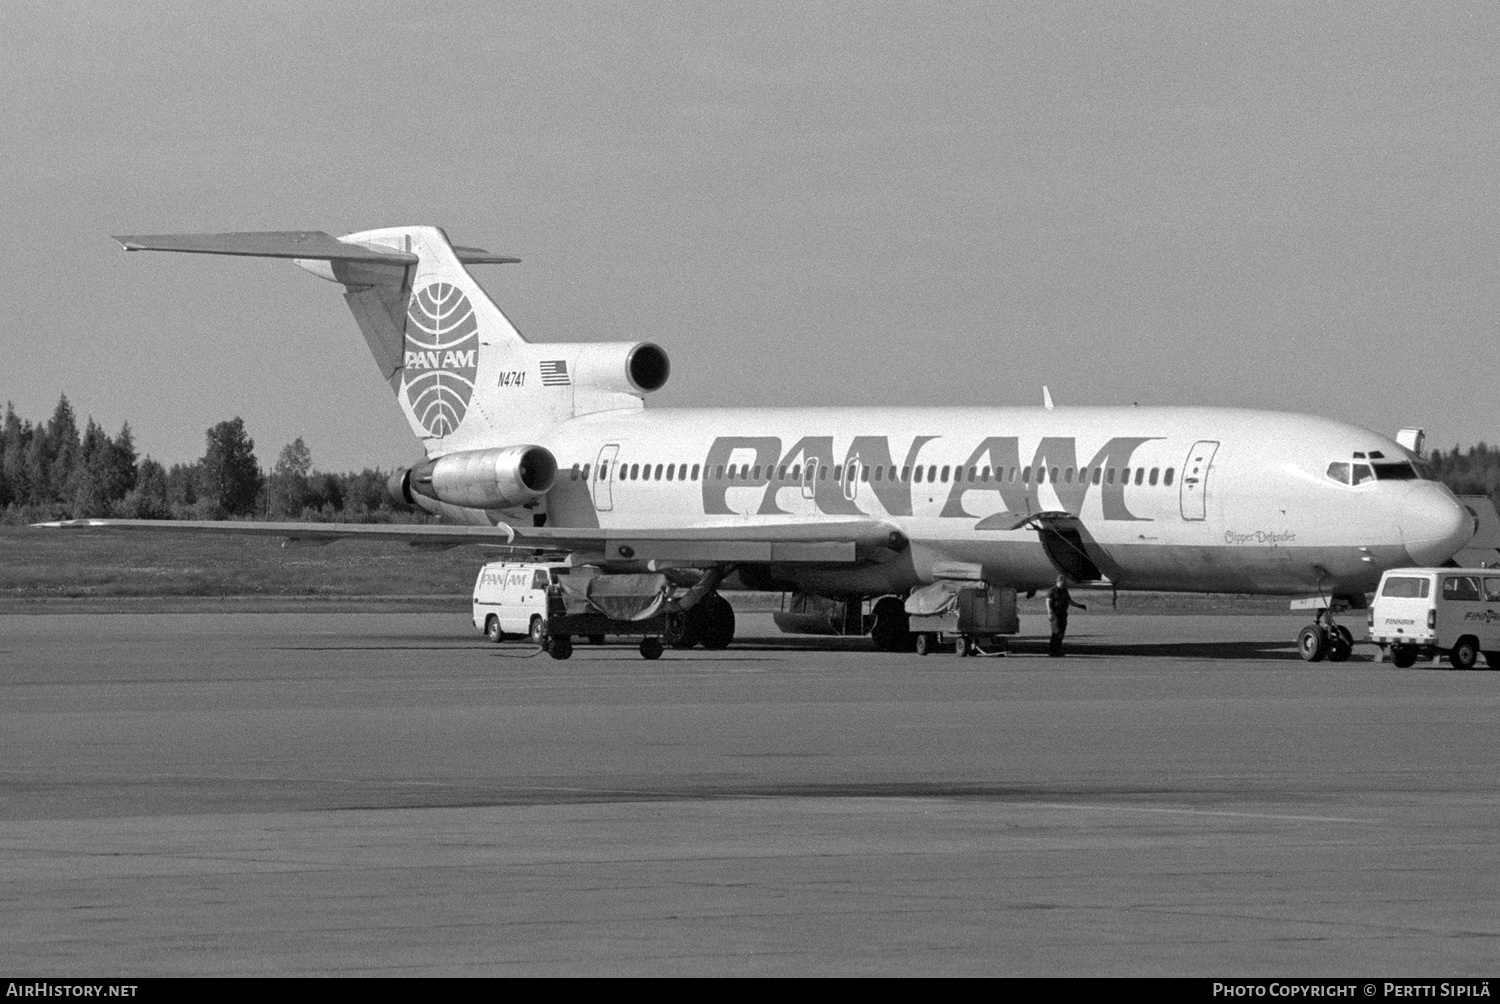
[[1204, 499], [1218, 499]]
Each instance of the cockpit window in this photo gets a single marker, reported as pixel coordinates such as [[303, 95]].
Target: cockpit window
[[1362, 474], [1396, 472], [1339, 472]]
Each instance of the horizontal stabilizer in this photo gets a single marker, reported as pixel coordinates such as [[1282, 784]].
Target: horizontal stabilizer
[[310, 244], [479, 256]]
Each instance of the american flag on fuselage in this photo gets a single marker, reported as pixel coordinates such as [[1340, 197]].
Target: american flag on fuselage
[[555, 373]]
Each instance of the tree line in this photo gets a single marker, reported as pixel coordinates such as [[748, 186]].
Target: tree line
[[50, 470], [1475, 471]]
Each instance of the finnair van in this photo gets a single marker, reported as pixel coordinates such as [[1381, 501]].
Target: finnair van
[[510, 599], [1438, 611]]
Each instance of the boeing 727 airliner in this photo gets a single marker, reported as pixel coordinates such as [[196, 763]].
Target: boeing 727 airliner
[[550, 447]]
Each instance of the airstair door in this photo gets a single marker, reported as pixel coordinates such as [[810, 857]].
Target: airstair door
[[604, 476], [1195, 479]]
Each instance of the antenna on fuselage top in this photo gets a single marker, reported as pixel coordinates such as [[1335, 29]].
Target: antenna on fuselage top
[[1046, 398]]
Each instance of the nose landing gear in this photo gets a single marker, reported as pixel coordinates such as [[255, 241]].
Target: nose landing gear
[[1323, 639]]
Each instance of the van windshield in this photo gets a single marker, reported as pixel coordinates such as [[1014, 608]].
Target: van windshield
[[1406, 587]]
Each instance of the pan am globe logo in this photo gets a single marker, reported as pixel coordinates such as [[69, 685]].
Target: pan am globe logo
[[442, 356]]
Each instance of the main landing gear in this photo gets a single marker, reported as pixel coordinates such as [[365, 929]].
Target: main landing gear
[[709, 622], [1323, 639]]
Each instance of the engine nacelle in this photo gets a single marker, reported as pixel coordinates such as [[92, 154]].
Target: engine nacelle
[[635, 368], [480, 479]]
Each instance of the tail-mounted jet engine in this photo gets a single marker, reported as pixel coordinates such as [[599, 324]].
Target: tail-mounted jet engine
[[480, 479], [628, 368]]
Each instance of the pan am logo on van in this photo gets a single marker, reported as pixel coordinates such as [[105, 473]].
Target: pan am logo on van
[[441, 357]]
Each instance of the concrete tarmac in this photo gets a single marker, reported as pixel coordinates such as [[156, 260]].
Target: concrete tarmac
[[387, 794]]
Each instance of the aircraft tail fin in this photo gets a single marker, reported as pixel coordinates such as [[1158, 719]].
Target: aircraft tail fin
[[463, 374]]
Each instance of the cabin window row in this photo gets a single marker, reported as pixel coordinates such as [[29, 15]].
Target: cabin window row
[[920, 474], [947, 473], [639, 472]]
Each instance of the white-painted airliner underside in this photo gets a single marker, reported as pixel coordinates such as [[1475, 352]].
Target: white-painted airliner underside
[[549, 447]]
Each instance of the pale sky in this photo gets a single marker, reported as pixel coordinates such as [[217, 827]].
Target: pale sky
[[1288, 206]]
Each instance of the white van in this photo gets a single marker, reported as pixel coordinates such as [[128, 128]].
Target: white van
[[510, 599], [1436, 612]]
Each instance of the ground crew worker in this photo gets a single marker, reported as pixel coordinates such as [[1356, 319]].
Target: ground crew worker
[[1058, 602]]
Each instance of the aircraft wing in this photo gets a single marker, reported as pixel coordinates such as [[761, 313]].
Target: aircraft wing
[[822, 542]]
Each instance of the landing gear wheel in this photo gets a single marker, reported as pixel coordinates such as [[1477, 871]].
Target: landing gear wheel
[[718, 622], [1464, 654], [1403, 656], [1340, 644], [891, 631], [492, 629], [1312, 643], [651, 648], [926, 643], [561, 647], [537, 634]]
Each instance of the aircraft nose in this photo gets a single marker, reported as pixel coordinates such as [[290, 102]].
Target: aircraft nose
[[1434, 524]]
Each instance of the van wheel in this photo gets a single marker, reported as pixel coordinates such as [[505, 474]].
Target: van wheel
[[1340, 644], [1312, 644], [561, 647], [1403, 656], [492, 629], [651, 648], [537, 633], [1465, 654]]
